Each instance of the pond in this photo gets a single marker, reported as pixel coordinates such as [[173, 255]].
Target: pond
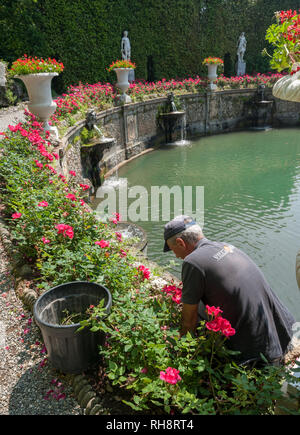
[[251, 183]]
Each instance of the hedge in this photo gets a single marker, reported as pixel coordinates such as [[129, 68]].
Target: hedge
[[169, 38]]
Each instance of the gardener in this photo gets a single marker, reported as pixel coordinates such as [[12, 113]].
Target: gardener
[[221, 275]]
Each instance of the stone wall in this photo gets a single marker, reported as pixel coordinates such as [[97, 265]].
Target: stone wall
[[12, 91], [136, 127], [3, 99]]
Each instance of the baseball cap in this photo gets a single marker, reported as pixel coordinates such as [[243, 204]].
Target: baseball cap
[[175, 226]]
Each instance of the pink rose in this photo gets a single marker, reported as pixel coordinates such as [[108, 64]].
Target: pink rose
[[116, 219], [213, 311], [176, 292], [16, 215], [43, 204], [84, 186], [66, 230], [214, 325], [69, 233], [145, 272], [171, 376], [219, 324], [38, 164], [119, 236], [71, 196], [177, 297], [228, 332], [102, 243]]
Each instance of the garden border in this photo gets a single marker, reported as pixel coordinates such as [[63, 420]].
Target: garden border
[[84, 393]]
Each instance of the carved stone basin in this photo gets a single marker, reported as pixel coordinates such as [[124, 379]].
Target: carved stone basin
[[288, 88], [135, 233], [170, 121], [91, 156]]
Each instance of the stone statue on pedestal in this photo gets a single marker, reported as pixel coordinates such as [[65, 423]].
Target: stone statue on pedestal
[[241, 64], [126, 53], [125, 46]]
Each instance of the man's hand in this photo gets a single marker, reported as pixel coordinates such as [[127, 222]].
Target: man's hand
[[189, 318]]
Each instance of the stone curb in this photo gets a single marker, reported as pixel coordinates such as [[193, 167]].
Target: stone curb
[[83, 391]]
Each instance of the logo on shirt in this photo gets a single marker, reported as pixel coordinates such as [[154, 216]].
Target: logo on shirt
[[227, 249]]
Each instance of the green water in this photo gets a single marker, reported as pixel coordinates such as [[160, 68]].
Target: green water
[[251, 198]]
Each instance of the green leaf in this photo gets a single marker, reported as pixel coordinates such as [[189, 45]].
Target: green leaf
[[112, 365], [132, 405], [263, 358]]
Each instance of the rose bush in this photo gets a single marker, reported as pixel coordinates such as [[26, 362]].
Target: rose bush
[[54, 230], [145, 355], [75, 102]]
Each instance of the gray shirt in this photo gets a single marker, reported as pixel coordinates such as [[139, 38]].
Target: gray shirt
[[222, 275]]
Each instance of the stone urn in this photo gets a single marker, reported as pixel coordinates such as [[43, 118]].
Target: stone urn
[[212, 75], [40, 98], [288, 87], [123, 83]]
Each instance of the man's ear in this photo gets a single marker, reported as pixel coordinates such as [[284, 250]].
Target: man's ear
[[180, 242]]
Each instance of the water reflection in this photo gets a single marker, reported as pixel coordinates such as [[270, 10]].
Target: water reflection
[[251, 197]]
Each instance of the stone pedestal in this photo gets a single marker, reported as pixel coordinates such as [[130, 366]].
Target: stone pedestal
[[212, 76], [131, 76], [123, 99], [240, 68], [3, 99], [2, 74], [123, 84]]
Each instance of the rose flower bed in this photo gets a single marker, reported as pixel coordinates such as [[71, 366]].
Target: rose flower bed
[[55, 232], [75, 102]]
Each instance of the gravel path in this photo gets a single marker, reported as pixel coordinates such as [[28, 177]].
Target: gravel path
[[28, 383], [11, 116]]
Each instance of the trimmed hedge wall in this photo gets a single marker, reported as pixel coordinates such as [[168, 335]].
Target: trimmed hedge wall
[[169, 38]]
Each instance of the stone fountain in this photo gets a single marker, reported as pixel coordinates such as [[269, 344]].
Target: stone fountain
[[92, 153], [261, 110], [174, 122], [134, 235]]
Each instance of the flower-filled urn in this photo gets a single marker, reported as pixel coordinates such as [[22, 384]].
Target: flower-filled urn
[[212, 64], [37, 75], [122, 69]]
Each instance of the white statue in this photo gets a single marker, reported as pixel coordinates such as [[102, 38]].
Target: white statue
[[242, 42], [125, 46]]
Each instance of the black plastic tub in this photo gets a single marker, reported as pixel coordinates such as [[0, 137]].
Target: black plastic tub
[[70, 351]]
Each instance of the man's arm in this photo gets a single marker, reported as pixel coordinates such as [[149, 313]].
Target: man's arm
[[189, 318]]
